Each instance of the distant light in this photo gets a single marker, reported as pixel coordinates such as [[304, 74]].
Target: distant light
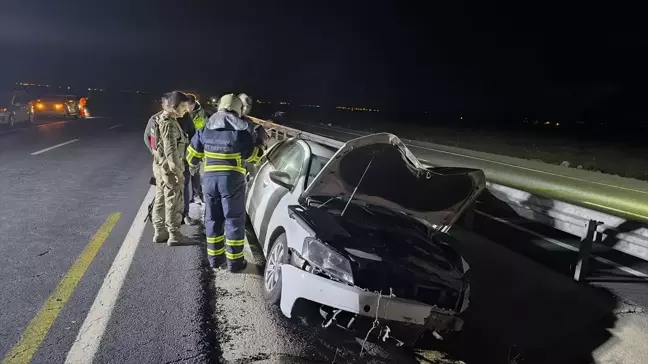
[[461, 118], [68, 87], [557, 124]]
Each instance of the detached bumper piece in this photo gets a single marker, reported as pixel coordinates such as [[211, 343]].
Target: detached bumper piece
[[297, 283]]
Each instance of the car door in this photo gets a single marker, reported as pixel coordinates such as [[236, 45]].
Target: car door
[[20, 105], [290, 159], [255, 188]]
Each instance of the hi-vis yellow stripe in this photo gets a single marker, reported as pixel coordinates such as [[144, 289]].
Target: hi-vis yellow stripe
[[223, 155], [215, 252], [234, 256], [216, 239], [222, 168], [235, 242], [35, 332], [194, 153]]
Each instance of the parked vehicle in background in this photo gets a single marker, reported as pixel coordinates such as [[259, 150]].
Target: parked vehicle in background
[[63, 106], [362, 232], [15, 108]]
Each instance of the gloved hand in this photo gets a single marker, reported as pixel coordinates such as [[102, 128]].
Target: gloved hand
[[261, 135]]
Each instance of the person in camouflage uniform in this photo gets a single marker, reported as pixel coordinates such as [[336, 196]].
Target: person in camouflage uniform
[[170, 143]]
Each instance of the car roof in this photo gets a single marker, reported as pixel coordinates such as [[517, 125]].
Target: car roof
[[320, 149]]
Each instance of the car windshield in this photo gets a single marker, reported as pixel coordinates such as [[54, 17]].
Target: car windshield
[[316, 164]]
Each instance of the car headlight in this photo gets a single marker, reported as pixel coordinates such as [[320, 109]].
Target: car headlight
[[324, 258]]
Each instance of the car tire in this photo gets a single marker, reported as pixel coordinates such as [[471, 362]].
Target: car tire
[[277, 255], [12, 120]]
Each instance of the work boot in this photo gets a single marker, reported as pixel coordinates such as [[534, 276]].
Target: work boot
[[160, 237], [189, 221], [219, 266], [236, 268], [176, 239]]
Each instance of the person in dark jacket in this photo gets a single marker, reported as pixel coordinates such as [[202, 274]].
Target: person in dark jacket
[[198, 116], [187, 125], [259, 134], [226, 144]]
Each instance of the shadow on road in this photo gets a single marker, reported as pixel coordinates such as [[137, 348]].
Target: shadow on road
[[521, 310]]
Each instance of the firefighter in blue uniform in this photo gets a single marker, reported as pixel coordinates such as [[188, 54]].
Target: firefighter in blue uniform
[[225, 144]]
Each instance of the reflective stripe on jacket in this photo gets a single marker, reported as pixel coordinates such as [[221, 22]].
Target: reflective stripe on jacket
[[224, 144]]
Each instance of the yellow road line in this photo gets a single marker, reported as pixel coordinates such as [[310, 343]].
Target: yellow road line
[[35, 332]]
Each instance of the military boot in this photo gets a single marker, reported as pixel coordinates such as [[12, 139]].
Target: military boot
[[176, 239], [160, 236], [189, 221]]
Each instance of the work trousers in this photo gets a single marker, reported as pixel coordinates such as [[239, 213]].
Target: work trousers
[[196, 185], [187, 191], [167, 206], [224, 195]]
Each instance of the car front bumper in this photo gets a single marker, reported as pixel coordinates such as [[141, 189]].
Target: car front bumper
[[297, 283], [51, 113]]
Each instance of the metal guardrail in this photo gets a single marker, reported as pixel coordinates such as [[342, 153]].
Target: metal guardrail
[[615, 195], [591, 226]]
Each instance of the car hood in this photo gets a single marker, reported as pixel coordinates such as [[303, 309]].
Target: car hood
[[394, 178]]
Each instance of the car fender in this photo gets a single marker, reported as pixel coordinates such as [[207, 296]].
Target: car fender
[[295, 230]]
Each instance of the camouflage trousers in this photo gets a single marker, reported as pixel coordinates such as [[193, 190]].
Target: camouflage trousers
[[169, 201]]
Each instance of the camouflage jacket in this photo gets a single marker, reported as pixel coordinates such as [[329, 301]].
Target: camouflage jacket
[[150, 131], [170, 144]]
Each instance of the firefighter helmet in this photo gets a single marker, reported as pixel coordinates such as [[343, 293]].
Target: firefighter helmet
[[231, 102], [247, 103]]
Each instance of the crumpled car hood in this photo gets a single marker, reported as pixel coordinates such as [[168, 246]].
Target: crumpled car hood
[[394, 178]]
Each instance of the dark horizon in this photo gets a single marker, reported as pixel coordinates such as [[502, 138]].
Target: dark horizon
[[455, 60]]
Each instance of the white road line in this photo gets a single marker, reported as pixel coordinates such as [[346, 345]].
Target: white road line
[[55, 146], [115, 126], [634, 272], [87, 341]]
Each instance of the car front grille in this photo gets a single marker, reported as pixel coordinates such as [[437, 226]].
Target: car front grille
[[441, 297]]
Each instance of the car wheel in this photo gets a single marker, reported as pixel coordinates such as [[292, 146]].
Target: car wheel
[[272, 273], [12, 120]]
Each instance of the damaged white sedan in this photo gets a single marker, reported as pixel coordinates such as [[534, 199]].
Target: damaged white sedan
[[362, 231]]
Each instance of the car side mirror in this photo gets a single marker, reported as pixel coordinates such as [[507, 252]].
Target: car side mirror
[[282, 179]]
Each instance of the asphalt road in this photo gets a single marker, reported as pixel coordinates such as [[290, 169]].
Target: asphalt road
[[80, 279], [52, 203]]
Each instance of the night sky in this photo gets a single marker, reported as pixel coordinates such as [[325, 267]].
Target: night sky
[[494, 60]]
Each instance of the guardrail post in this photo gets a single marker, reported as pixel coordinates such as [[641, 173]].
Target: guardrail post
[[585, 250]]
